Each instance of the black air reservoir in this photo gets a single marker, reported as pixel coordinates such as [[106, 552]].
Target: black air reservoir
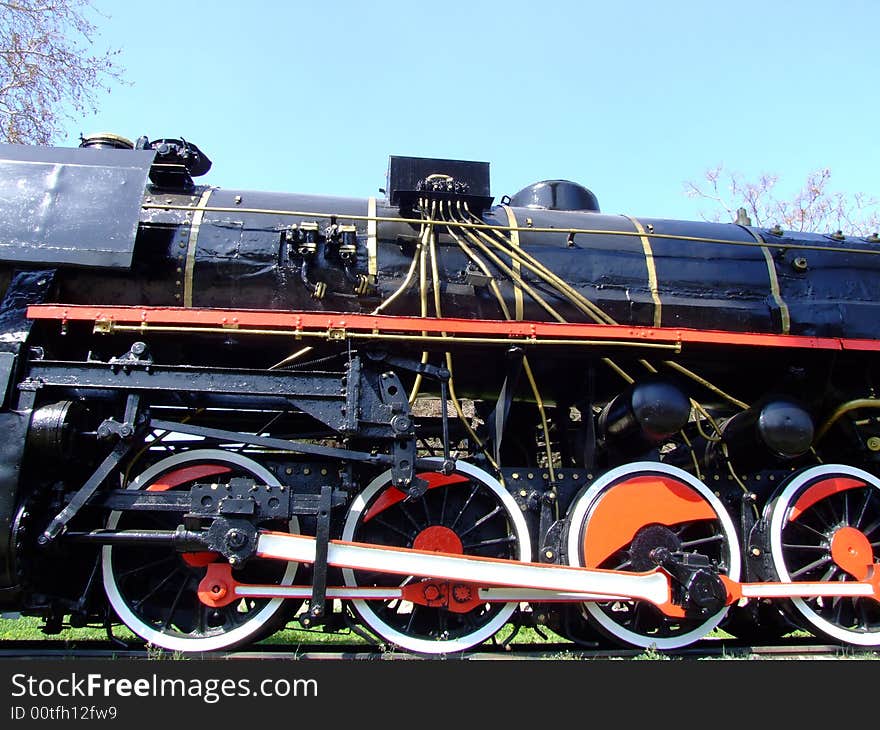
[[643, 416], [764, 436]]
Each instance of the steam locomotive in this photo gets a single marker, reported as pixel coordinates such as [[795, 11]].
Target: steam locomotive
[[428, 416]]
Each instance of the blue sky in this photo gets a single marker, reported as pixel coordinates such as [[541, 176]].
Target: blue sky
[[630, 98]]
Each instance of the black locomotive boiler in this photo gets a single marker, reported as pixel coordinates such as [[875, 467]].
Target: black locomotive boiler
[[425, 416]]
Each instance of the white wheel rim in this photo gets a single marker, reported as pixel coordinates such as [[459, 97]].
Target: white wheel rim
[[779, 515], [427, 646], [182, 643], [581, 509]]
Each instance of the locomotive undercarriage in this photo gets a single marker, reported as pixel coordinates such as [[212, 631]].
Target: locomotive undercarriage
[[180, 482]]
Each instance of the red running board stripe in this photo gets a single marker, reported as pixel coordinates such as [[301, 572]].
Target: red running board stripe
[[287, 321]]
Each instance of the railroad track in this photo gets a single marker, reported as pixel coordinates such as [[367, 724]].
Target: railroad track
[[705, 649]]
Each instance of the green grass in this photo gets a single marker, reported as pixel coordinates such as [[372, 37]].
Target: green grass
[[29, 629], [526, 638], [292, 636]]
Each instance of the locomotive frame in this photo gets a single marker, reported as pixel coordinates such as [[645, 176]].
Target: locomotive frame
[[435, 415]]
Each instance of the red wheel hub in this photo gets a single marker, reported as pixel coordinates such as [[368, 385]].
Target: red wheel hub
[[199, 560], [851, 550], [457, 597], [438, 539]]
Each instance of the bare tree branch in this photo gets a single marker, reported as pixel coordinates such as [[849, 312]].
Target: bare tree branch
[[49, 72], [813, 208]]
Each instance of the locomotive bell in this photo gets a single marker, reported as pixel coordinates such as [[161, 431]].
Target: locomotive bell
[[643, 416]]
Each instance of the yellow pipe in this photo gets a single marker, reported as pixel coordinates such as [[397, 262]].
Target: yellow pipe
[[534, 229], [843, 409]]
